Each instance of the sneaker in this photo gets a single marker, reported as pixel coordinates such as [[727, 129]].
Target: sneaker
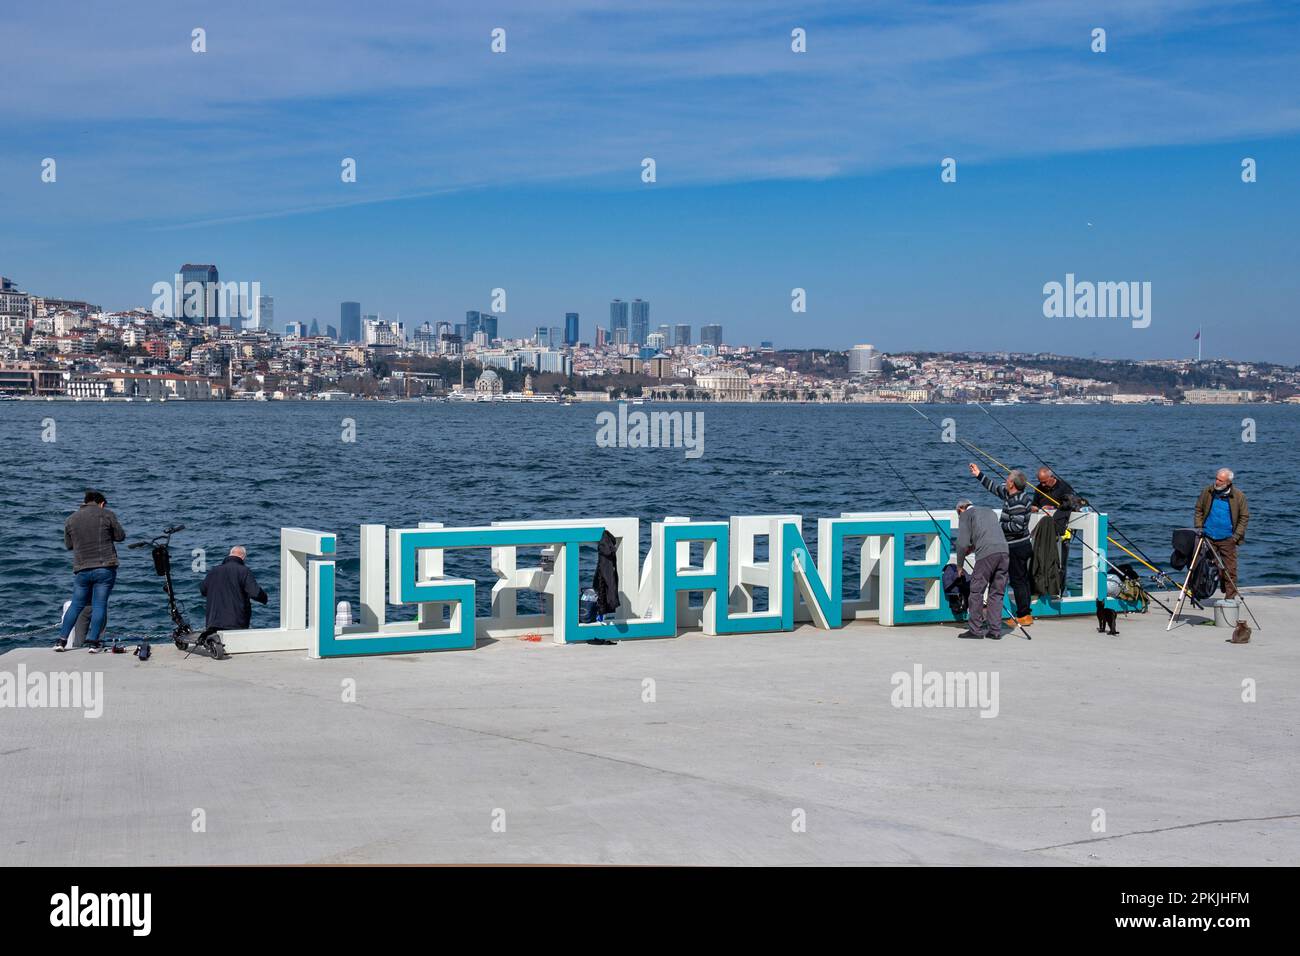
[[994, 637], [60, 647], [1025, 621], [970, 636]]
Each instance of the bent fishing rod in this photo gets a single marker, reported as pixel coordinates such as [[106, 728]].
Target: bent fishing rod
[[976, 450], [943, 533], [1017, 439]]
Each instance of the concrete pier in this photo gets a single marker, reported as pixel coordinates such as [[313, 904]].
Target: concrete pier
[[561, 745]]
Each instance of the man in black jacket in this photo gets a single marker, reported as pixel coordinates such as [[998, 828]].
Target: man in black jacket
[[230, 589], [1055, 496]]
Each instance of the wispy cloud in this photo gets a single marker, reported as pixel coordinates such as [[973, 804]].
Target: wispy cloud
[[149, 132]]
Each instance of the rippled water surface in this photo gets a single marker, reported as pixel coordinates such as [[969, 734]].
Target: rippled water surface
[[238, 472]]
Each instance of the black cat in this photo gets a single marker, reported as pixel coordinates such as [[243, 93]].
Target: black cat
[[1105, 619]]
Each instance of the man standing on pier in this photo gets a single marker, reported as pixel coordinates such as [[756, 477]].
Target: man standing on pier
[[89, 534], [1054, 495], [1222, 516], [978, 531], [1016, 502]]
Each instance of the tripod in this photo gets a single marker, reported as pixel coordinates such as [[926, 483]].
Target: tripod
[[1204, 544]]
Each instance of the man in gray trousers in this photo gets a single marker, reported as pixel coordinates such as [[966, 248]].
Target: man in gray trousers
[[979, 530]]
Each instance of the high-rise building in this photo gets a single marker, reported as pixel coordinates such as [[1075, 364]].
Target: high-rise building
[[711, 335], [331, 333], [640, 323], [570, 328], [264, 318], [473, 322], [864, 361], [199, 303], [315, 329], [378, 332], [295, 330], [617, 319], [602, 337], [683, 335], [542, 337], [488, 324], [350, 321], [656, 342]]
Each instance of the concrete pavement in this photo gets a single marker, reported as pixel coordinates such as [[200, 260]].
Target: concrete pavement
[[521, 752]]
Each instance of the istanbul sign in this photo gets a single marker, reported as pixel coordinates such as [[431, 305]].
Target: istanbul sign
[[897, 565]]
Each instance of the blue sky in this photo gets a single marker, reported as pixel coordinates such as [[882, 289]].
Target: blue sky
[[775, 170]]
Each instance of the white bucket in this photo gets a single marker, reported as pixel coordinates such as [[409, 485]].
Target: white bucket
[[1226, 613]]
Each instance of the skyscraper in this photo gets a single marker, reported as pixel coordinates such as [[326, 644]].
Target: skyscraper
[[265, 316], [315, 329], [617, 319], [864, 360], [488, 324], [570, 328], [640, 325], [473, 323], [199, 304], [350, 321], [711, 335], [683, 335]]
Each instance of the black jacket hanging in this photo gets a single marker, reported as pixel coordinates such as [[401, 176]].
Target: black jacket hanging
[[605, 582]]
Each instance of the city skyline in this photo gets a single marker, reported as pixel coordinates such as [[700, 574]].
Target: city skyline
[[818, 171]]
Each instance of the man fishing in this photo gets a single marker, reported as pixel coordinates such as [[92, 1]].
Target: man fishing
[[90, 534], [978, 530], [1017, 499], [1222, 515], [1055, 496]]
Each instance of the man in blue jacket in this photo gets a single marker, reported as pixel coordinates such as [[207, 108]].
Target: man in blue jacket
[[230, 589]]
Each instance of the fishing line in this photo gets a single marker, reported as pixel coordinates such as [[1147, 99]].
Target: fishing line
[[938, 527], [1016, 438], [982, 453]]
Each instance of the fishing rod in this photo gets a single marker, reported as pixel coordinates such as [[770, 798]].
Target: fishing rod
[[1016, 438], [975, 449], [943, 533]]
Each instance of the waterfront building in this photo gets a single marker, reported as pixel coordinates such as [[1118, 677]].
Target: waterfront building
[[488, 383], [1217, 396], [725, 384]]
